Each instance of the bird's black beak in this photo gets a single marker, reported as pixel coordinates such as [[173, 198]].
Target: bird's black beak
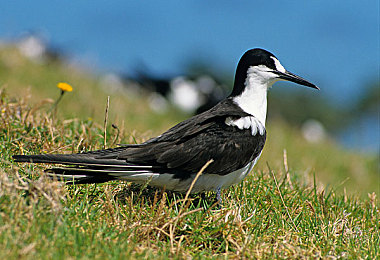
[[294, 78]]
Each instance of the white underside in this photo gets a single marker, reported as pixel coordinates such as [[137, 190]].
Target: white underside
[[206, 182]]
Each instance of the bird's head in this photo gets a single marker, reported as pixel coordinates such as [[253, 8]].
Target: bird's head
[[262, 68]]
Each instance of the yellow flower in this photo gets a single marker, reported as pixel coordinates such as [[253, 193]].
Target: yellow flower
[[64, 86]]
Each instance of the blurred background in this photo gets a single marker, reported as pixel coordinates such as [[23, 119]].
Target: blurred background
[[183, 55]]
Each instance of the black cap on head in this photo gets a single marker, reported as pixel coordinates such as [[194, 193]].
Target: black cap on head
[[255, 57]]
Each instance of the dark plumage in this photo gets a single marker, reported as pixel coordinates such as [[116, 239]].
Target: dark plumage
[[181, 151], [232, 134]]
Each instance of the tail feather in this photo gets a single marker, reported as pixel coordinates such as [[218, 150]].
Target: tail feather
[[92, 167], [107, 157], [75, 175], [68, 159], [80, 179]]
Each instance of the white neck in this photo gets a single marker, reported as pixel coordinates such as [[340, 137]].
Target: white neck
[[253, 99]]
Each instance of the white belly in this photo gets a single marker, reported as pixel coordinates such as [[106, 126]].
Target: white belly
[[206, 182]]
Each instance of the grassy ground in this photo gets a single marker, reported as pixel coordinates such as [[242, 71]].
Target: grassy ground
[[283, 209]]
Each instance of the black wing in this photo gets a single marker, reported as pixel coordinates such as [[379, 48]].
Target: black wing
[[182, 150], [185, 148]]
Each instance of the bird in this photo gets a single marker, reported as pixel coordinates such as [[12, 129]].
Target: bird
[[232, 134]]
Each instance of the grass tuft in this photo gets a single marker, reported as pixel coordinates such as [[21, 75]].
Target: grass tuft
[[308, 201], [271, 214]]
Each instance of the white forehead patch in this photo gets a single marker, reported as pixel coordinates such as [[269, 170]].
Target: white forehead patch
[[278, 65]]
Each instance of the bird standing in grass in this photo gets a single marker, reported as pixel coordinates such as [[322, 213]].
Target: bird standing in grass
[[232, 134]]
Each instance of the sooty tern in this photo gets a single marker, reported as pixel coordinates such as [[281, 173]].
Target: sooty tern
[[232, 134]]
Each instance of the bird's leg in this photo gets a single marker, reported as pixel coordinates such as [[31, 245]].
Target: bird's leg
[[218, 195]]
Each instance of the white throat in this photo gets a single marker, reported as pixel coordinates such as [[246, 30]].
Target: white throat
[[253, 99]]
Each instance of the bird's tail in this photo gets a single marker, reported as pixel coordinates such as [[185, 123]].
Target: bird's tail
[[92, 167]]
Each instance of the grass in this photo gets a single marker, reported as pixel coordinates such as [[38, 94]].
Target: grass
[[21, 77], [284, 209]]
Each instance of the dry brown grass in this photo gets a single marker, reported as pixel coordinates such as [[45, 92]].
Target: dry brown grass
[[283, 213]]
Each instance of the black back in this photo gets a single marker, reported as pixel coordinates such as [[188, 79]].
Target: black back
[[186, 147]]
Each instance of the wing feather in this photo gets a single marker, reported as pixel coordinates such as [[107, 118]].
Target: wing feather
[[182, 150]]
